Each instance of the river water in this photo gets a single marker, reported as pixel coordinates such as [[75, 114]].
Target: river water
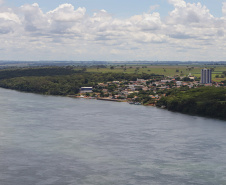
[[51, 140]]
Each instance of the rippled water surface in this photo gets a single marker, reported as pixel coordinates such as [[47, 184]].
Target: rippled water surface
[[47, 140]]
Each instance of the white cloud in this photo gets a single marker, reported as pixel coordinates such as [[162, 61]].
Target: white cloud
[[69, 33], [178, 3], [65, 19], [9, 16], [224, 9], [8, 21], [32, 17], [190, 13], [194, 25], [147, 21], [66, 13]]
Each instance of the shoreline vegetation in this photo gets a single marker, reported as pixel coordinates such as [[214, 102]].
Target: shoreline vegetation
[[179, 93]]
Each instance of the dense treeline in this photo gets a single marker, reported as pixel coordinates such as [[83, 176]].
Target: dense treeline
[[40, 71], [60, 81], [204, 101]]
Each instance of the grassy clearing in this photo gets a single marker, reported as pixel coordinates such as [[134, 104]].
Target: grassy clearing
[[166, 70]]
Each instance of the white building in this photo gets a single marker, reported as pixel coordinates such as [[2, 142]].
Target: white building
[[86, 89], [206, 76]]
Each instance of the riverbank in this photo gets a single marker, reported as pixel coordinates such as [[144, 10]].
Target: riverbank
[[163, 104], [173, 93]]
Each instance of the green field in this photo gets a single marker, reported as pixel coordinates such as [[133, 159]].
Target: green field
[[166, 70]]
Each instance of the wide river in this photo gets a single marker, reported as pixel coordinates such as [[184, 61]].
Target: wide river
[[51, 140]]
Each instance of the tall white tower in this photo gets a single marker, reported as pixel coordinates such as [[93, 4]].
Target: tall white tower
[[206, 76]]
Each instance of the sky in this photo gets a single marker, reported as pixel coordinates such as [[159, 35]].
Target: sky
[[119, 30]]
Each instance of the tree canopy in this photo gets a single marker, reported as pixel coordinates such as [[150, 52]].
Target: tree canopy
[[204, 101]]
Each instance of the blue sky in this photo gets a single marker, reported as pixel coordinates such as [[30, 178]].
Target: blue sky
[[113, 30]]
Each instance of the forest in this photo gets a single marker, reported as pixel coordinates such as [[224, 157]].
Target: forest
[[203, 101]]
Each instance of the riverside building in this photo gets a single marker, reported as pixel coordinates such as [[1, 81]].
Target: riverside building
[[206, 76]]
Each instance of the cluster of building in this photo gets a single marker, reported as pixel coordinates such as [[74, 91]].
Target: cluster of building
[[121, 90]]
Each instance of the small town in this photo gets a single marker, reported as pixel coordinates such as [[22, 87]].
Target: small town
[[145, 92]]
